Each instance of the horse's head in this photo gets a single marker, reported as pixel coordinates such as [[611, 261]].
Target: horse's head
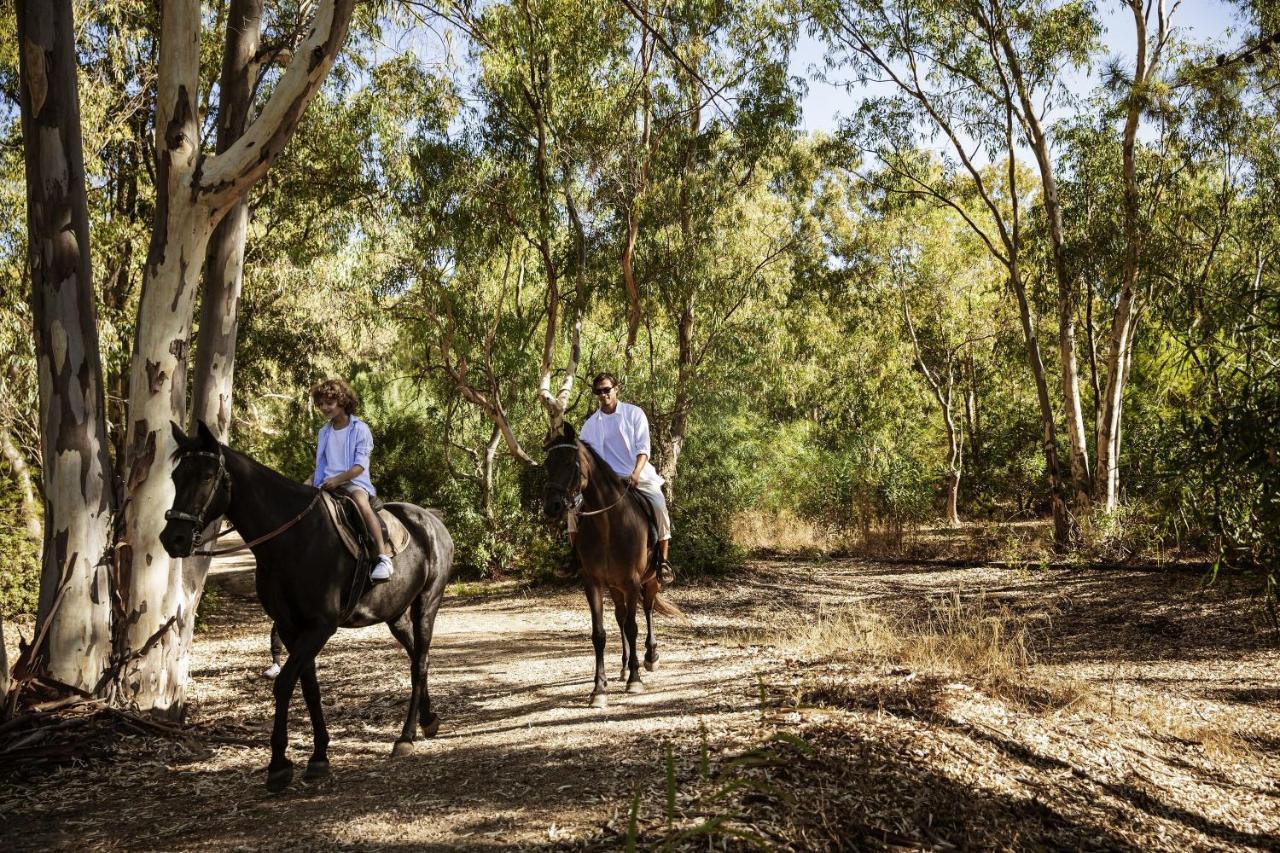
[[565, 473], [202, 489]]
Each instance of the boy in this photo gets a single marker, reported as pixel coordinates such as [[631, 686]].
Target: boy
[[342, 460]]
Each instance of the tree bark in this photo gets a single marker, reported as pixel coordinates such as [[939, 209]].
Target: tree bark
[[1039, 142], [679, 428], [943, 397], [76, 468], [634, 312], [193, 193], [1124, 319], [487, 466], [224, 264]]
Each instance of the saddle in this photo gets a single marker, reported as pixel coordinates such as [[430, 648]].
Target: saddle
[[651, 517], [347, 520]]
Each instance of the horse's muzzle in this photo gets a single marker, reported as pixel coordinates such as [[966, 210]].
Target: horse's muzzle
[[555, 507], [178, 538]]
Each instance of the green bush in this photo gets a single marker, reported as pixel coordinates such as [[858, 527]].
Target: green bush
[[20, 575]]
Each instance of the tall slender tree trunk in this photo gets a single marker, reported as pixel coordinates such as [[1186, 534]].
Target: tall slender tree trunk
[[679, 428], [224, 264], [634, 314], [193, 193], [76, 467], [1063, 532], [1039, 142], [1124, 318], [488, 464]]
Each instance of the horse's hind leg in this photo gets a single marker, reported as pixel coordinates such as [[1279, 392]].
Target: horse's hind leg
[[402, 629], [595, 599], [318, 764], [303, 648], [424, 626], [634, 682], [650, 644]]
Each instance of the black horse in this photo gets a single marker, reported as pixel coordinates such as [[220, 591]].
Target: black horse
[[614, 549], [304, 575]]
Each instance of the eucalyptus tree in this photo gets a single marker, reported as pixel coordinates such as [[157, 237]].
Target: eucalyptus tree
[[945, 283], [953, 76], [193, 192], [75, 611], [723, 107]]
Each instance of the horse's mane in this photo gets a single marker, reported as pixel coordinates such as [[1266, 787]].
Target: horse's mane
[[266, 471], [598, 461]]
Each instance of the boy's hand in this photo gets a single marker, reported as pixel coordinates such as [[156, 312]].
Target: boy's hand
[[330, 484]]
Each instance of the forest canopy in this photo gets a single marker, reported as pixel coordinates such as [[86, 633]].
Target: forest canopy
[[992, 294]]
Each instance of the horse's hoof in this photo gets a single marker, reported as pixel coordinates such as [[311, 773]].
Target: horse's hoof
[[278, 780], [636, 686], [316, 771], [598, 700], [651, 665], [431, 726], [402, 749]]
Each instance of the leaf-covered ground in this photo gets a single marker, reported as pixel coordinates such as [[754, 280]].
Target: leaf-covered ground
[[1140, 710]]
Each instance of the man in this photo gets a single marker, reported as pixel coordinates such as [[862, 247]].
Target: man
[[619, 432]]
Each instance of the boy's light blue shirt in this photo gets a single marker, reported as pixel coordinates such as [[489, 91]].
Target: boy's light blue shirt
[[358, 447]]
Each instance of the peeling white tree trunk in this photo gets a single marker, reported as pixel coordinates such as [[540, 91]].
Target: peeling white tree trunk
[[1124, 318], [76, 468], [193, 193]]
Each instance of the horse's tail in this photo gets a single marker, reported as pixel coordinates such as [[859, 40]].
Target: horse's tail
[[665, 607]]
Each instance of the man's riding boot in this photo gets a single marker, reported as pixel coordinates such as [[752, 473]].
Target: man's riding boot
[[665, 575]]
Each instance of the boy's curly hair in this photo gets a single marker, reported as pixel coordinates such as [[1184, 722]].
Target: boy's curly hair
[[338, 391]]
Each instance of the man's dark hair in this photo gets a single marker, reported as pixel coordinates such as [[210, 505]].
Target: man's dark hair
[[609, 376]]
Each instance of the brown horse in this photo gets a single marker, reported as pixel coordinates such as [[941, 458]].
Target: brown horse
[[613, 548]]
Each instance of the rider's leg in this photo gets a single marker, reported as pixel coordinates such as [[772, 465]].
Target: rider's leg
[[663, 518], [370, 520], [382, 569]]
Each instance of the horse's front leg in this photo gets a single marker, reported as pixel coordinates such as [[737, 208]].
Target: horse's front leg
[[595, 599], [620, 614], [303, 648], [634, 682]]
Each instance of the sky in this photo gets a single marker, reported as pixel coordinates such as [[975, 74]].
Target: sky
[[1198, 20]]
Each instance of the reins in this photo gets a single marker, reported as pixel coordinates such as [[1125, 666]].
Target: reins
[[578, 467], [198, 519], [265, 538]]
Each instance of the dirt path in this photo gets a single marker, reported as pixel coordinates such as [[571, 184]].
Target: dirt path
[[521, 761]]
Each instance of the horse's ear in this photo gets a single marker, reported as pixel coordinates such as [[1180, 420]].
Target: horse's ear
[[178, 435], [566, 430], [206, 436]]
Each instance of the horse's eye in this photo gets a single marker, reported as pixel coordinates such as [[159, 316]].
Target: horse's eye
[[207, 477]]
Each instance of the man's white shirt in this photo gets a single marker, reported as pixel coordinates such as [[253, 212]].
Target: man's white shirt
[[619, 438]]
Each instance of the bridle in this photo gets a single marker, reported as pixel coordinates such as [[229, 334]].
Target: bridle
[[575, 498], [198, 519], [220, 477]]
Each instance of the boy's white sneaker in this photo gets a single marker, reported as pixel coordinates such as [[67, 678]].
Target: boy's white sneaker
[[382, 570], [271, 671]]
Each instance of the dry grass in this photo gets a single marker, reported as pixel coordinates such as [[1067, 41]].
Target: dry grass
[[784, 533], [970, 639], [1186, 724]]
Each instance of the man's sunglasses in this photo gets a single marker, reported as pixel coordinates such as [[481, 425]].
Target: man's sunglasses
[[602, 392]]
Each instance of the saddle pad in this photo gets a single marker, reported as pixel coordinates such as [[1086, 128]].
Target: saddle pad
[[397, 534]]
